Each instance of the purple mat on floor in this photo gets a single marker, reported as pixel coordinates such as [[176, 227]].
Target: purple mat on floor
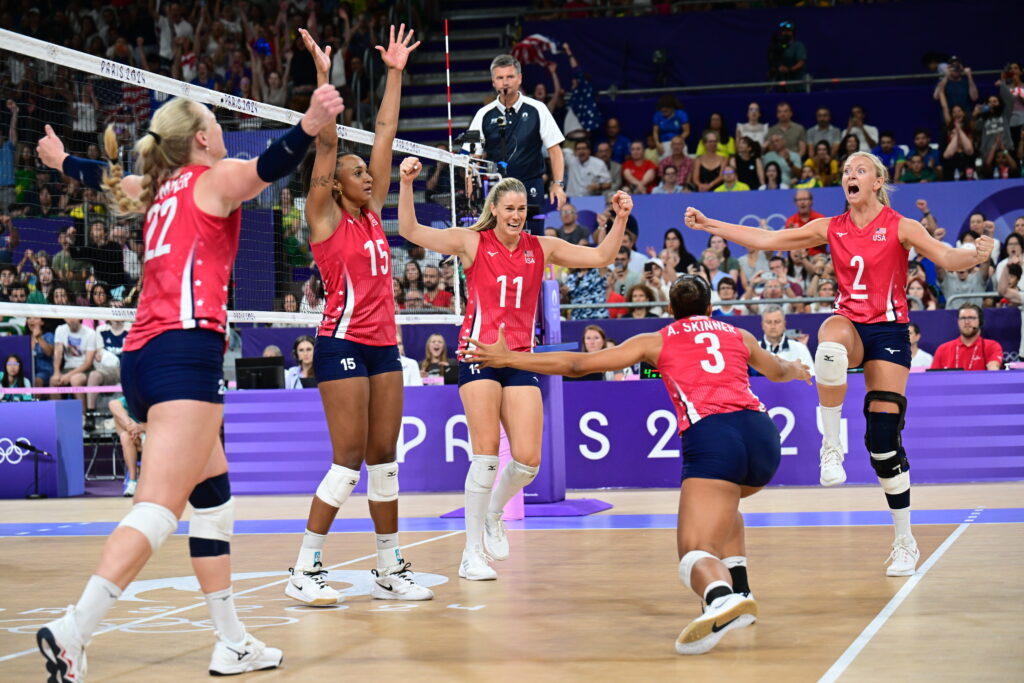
[[104, 487], [576, 507]]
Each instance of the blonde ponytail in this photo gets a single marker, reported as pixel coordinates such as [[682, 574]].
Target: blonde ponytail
[[881, 171], [487, 219]]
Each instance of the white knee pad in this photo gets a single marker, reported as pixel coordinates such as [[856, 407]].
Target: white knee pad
[[686, 565], [483, 470], [337, 485], [831, 362], [216, 523], [896, 485], [153, 521], [520, 475], [383, 484]]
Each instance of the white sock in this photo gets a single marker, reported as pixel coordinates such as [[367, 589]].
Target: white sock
[[97, 599], [514, 477], [830, 418], [310, 552], [901, 519], [713, 585], [225, 619], [479, 482], [389, 553]]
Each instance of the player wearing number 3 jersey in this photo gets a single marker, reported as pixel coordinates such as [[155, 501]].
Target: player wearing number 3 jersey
[[730, 446], [171, 368], [504, 267], [355, 358], [870, 244]]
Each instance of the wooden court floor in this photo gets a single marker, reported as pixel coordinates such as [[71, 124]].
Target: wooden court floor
[[599, 601]]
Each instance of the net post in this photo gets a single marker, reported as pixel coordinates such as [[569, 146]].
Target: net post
[[451, 167]]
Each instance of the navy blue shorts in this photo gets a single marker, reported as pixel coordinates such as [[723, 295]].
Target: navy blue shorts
[[343, 359], [885, 341], [741, 447], [506, 377], [172, 366]]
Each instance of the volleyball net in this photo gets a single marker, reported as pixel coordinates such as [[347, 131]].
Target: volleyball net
[[67, 255]]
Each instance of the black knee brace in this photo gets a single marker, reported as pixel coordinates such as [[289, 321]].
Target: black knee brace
[[883, 434], [212, 517]]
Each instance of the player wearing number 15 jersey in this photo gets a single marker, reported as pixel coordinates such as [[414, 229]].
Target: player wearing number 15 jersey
[[504, 268], [870, 244], [730, 446]]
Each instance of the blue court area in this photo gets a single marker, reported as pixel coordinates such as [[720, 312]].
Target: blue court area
[[753, 519]]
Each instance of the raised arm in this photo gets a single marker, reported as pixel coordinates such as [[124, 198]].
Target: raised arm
[[322, 212], [457, 241], [395, 58], [913, 234], [812, 234], [563, 253], [771, 366], [89, 172], [643, 347]]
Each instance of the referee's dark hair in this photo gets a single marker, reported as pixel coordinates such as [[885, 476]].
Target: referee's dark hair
[[690, 295]]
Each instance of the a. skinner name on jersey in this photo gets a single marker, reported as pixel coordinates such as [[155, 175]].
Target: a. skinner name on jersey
[[174, 185], [703, 326]]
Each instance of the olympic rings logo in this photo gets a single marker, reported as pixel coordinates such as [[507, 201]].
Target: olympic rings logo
[[10, 452]]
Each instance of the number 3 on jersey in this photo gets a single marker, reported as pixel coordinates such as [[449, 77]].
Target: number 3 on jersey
[[383, 253], [714, 346], [165, 210]]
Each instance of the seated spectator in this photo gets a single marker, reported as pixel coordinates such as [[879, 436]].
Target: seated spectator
[[587, 286], [653, 152], [618, 143], [604, 153], [782, 269], [594, 340], [753, 128], [669, 182], [847, 146], [787, 161], [1000, 164], [571, 231], [808, 180], [17, 294], [793, 134], [585, 175], [728, 265], [974, 279], [923, 147], [916, 172], [8, 277], [823, 131], [891, 155], [711, 260], [805, 213], [130, 433], [823, 164], [765, 289], [726, 142], [622, 277], [919, 289], [272, 351], [13, 376], [435, 357], [992, 121], [708, 167], [826, 288], [1009, 288], [41, 346], [676, 157], [969, 351], [778, 343], [867, 136], [669, 121], [958, 156], [636, 259], [302, 352], [640, 293], [730, 183], [433, 295], [105, 257], [655, 278], [74, 352], [1013, 247], [413, 300], [753, 266], [640, 174], [919, 358], [747, 162], [727, 293], [674, 254], [289, 304]]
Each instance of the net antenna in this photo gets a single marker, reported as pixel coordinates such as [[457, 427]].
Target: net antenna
[[59, 56]]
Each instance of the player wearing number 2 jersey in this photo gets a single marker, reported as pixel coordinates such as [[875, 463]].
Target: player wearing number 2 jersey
[[355, 358], [171, 366], [730, 447], [504, 268], [869, 245]]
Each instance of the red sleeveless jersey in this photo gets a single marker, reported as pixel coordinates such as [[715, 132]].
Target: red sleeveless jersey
[[188, 260], [355, 264], [503, 288], [871, 268], [703, 363]]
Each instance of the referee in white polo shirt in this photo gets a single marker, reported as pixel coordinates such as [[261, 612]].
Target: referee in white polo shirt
[[515, 129]]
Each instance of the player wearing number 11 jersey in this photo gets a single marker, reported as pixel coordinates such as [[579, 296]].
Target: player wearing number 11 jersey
[[730, 446], [504, 268], [870, 245]]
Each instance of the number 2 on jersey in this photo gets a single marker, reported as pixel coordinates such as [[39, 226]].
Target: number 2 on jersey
[[166, 210], [858, 263], [518, 282], [714, 346]]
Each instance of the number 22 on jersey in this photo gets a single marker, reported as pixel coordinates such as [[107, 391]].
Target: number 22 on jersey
[[159, 215]]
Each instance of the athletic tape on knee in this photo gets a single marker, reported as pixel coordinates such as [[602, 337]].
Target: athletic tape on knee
[[483, 470], [383, 484], [210, 529], [520, 475], [831, 362], [153, 521], [337, 485], [689, 560]]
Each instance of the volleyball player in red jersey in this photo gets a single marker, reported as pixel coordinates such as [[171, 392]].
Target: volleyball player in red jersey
[[870, 244], [355, 358], [171, 368], [504, 268], [731, 448]]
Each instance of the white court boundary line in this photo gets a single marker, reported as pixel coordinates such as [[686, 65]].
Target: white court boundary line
[[15, 655], [869, 632]]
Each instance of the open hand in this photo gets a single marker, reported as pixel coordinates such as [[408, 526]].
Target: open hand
[[321, 58], [410, 169], [803, 373], [397, 53], [494, 355]]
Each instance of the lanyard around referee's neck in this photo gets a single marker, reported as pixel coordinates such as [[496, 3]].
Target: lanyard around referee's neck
[[975, 348]]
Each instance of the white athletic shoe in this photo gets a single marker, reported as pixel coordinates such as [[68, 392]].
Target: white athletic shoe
[[495, 539], [129, 487], [250, 655], [397, 583], [723, 615], [474, 566], [904, 557], [832, 472], [63, 648], [311, 588]]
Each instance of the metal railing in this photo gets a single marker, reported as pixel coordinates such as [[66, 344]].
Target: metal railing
[[971, 295], [729, 302]]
